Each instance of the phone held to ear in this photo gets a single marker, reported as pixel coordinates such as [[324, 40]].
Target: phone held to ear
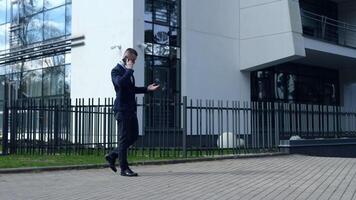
[[124, 60]]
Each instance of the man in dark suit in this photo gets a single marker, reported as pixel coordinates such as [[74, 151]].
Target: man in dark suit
[[125, 110]]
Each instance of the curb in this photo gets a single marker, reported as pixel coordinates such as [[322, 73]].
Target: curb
[[153, 162]]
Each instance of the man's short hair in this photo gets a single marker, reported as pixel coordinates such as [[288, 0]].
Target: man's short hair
[[130, 51]]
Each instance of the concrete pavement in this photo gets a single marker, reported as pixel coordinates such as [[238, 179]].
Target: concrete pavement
[[278, 177]]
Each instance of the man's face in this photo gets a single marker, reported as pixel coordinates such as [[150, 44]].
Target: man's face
[[131, 58]]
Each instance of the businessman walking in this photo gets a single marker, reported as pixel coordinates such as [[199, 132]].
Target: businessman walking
[[125, 110]]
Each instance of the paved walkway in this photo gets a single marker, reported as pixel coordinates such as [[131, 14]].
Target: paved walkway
[[282, 177]]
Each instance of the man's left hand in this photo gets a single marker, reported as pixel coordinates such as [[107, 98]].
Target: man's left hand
[[152, 87]]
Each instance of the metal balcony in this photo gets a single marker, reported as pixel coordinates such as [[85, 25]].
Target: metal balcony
[[329, 30]]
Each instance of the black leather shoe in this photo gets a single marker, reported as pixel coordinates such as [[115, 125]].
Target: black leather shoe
[[111, 162], [128, 172]]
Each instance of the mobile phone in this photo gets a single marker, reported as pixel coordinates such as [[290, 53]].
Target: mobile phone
[[156, 81], [124, 60]]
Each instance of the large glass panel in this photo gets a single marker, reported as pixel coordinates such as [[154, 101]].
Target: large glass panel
[[67, 80], [148, 32], [161, 13], [14, 85], [161, 34], [148, 10], [32, 6], [2, 37], [14, 12], [280, 84], [160, 62], [3, 11], [53, 61], [15, 68], [32, 64], [160, 50], [162, 38], [68, 19], [54, 23], [2, 87], [175, 52], [48, 4], [296, 83], [291, 90], [31, 85], [2, 70], [175, 15], [34, 21], [149, 49], [53, 81], [162, 53], [34, 29], [174, 37]]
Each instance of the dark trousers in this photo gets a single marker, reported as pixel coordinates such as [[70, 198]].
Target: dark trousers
[[127, 135]]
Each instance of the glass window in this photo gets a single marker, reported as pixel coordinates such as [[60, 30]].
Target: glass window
[[2, 87], [291, 90], [34, 29], [31, 85], [48, 4], [160, 62], [161, 11], [8, 11], [54, 23], [148, 10], [149, 49], [148, 32], [161, 50], [175, 14], [161, 34], [3, 11], [68, 19], [162, 37], [174, 37], [53, 61], [14, 68], [32, 64], [280, 86], [14, 12], [67, 80], [33, 36], [2, 37], [2, 71], [53, 81], [32, 7], [296, 83], [68, 58], [14, 84]]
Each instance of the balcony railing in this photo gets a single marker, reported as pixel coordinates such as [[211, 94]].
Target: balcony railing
[[327, 29]]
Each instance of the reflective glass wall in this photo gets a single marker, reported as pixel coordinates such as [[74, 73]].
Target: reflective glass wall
[[162, 37], [296, 83], [32, 23], [162, 58]]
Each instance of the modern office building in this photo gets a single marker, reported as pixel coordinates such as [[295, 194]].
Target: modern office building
[[254, 50]]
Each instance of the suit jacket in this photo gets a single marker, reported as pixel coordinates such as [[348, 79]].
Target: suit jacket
[[124, 84]]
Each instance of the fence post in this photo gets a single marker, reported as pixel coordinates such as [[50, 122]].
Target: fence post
[[5, 129], [184, 135], [55, 141]]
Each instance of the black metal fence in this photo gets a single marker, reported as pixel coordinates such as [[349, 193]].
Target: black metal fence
[[178, 127]]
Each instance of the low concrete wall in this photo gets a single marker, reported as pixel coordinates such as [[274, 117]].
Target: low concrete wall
[[321, 147]]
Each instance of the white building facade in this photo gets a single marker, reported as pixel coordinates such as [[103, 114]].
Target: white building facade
[[279, 50]]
